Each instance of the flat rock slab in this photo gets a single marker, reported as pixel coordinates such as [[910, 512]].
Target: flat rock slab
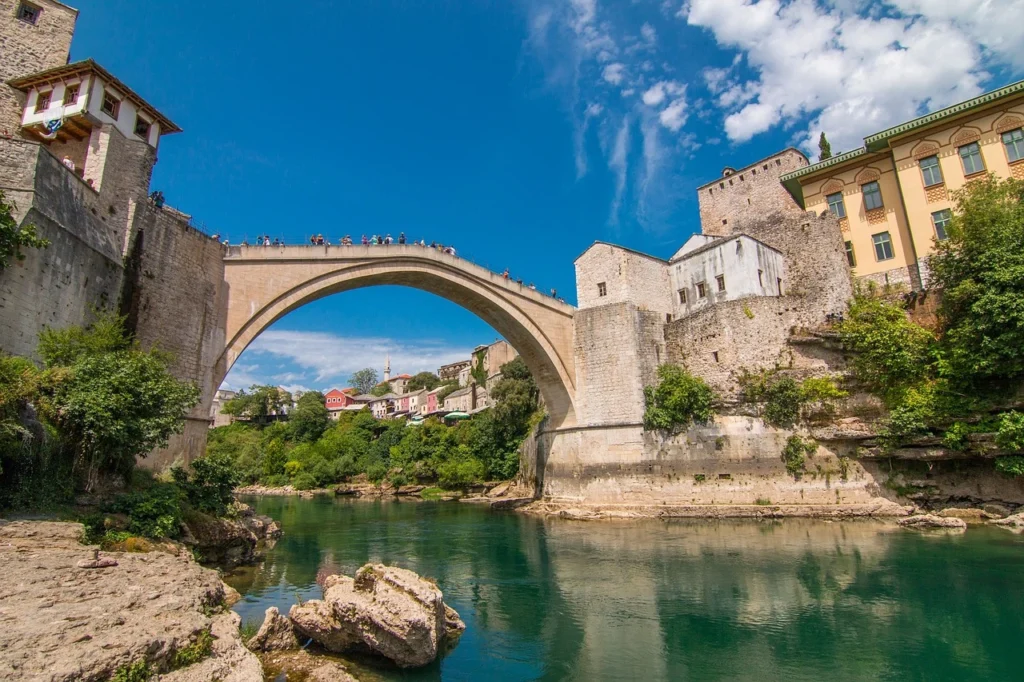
[[928, 521], [60, 622]]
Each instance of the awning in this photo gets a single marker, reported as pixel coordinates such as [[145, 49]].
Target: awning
[[456, 415]]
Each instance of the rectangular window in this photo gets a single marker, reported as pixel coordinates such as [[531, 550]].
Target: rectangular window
[[28, 12], [43, 101], [1014, 142], [970, 155], [602, 290], [702, 290], [142, 128], [682, 295], [883, 246], [941, 219], [872, 196], [720, 280], [111, 105], [70, 94], [850, 258], [836, 205], [930, 170]]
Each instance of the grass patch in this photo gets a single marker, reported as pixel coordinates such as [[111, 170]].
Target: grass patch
[[194, 652], [139, 671], [762, 502]]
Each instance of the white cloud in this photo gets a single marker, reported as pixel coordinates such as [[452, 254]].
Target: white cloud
[[618, 163], [853, 67], [614, 73], [301, 359], [674, 115], [655, 95], [648, 33]]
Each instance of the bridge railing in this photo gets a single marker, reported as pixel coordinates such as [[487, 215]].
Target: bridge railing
[[284, 251]]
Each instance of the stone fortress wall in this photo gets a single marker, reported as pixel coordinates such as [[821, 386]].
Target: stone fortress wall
[[626, 328], [111, 247]]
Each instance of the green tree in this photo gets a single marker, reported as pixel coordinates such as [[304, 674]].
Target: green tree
[[824, 148], [258, 404], [427, 380], [310, 418], [980, 269], [679, 399], [13, 236], [364, 380], [383, 388], [110, 406], [891, 352]]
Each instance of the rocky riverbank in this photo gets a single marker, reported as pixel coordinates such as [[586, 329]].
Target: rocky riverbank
[[71, 612], [490, 490]]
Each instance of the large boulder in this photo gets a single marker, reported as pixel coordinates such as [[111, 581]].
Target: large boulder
[[318, 621], [386, 610], [929, 521], [276, 634], [1014, 523], [219, 541]]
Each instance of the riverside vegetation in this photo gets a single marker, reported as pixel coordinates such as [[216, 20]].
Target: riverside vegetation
[[959, 378], [312, 451], [72, 431]]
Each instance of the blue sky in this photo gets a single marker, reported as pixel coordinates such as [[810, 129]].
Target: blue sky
[[518, 131]]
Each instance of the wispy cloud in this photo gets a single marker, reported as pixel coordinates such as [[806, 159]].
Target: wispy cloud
[[320, 360], [607, 71]]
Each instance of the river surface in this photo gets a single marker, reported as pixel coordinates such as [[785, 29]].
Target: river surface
[[553, 599]]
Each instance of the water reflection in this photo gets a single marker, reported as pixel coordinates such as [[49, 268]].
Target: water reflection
[[553, 599]]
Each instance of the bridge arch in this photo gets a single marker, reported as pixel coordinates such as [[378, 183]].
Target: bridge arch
[[265, 283]]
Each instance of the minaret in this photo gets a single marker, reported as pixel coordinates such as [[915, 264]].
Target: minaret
[[387, 367]]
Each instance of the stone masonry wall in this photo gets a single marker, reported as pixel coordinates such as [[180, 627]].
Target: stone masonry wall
[[29, 48], [176, 300], [729, 203], [80, 271], [617, 348]]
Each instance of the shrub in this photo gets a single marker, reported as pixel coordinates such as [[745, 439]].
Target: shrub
[[679, 400], [955, 437], [304, 481], [795, 454], [892, 352], [782, 402], [1010, 436], [1010, 466], [153, 513], [139, 671], [209, 485], [822, 390], [911, 417], [14, 236]]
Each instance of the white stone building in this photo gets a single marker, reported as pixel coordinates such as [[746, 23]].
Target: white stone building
[[709, 270]]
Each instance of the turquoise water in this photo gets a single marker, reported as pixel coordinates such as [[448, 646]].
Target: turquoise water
[[552, 599]]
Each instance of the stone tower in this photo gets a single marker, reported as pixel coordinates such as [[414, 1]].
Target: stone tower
[[387, 367]]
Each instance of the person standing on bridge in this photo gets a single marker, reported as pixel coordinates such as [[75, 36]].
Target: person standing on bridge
[[533, 287], [505, 274], [266, 241], [401, 237], [277, 242]]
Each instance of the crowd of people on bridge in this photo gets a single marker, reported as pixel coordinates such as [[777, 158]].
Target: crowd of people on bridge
[[379, 240]]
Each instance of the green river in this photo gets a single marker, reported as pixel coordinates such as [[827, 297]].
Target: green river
[[552, 599]]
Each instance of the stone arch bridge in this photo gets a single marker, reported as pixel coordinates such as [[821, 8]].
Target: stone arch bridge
[[266, 282]]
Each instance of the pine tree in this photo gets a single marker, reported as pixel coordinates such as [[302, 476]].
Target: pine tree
[[824, 148]]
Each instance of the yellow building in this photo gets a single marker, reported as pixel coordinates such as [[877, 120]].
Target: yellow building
[[894, 195]]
